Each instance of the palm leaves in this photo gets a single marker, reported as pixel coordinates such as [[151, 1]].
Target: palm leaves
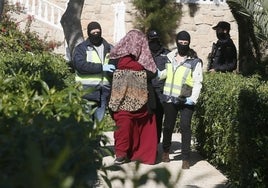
[[252, 20], [257, 10]]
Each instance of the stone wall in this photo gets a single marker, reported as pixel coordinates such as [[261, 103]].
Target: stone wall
[[200, 26], [104, 13], [197, 19]]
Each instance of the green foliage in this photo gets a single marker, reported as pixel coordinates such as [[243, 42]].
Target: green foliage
[[47, 153], [13, 40], [252, 20], [44, 129], [257, 10], [159, 15], [47, 137], [49, 67], [232, 127], [45, 132]]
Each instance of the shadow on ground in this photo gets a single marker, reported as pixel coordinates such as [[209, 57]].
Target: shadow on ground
[[175, 153]]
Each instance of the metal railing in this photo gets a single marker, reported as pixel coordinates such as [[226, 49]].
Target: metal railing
[[42, 10]]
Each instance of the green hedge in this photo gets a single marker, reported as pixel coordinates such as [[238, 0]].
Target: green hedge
[[231, 127], [47, 138]]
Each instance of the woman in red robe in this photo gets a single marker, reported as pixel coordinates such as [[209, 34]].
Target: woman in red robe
[[132, 100]]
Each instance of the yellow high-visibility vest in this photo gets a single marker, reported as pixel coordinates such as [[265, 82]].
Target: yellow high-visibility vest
[[93, 79], [176, 78]]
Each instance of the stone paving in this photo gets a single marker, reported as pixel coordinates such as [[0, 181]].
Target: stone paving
[[200, 175]]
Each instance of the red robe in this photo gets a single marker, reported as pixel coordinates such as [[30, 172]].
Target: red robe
[[135, 136]]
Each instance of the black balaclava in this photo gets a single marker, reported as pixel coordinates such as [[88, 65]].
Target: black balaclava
[[95, 39], [154, 45], [154, 42], [183, 49], [220, 28], [221, 35]]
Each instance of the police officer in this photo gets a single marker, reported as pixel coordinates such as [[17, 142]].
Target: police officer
[[182, 88], [91, 64], [223, 56], [159, 53]]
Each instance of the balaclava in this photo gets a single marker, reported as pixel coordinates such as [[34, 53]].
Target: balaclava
[[95, 39], [222, 30], [221, 35], [154, 42], [183, 49], [154, 45]]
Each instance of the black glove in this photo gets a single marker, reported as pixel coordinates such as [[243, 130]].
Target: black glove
[[181, 100]]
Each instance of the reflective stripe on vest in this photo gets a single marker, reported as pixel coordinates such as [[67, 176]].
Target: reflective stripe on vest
[[175, 79], [93, 79]]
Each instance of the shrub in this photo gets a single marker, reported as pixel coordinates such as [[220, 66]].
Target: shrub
[[47, 138], [231, 127]]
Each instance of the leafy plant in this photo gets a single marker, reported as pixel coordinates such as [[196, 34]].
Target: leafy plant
[[252, 20], [14, 40], [231, 127], [47, 137], [159, 15]]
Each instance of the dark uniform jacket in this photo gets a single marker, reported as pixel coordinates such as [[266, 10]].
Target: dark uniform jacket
[[83, 67], [223, 57], [160, 59]]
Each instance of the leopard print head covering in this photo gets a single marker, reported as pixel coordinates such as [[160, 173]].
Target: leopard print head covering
[[135, 43]]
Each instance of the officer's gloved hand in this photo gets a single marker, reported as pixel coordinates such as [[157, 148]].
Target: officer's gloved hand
[[189, 101], [161, 74], [108, 68], [158, 73]]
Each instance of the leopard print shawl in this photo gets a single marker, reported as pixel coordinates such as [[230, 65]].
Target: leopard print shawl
[[129, 90]]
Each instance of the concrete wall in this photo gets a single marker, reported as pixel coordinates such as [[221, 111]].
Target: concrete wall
[[104, 13], [200, 24]]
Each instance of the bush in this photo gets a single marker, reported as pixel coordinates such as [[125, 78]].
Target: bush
[[47, 138], [231, 127]]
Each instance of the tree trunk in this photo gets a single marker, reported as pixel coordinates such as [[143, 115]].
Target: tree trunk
[[247, 60], [71, 24], [2, 2]]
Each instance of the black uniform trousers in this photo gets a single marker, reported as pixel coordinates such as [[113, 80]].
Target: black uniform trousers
[[159, 113], [171, 112]]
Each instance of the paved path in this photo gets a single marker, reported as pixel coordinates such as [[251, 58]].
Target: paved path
[[200, 175]]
